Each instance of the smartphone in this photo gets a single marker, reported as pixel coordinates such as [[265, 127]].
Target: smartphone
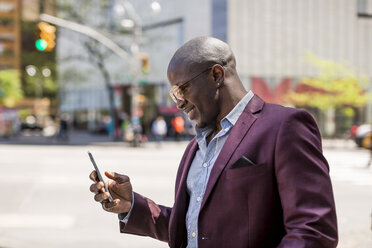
[[99, 175]]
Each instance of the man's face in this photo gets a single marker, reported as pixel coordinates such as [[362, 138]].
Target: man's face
[[199, 95]]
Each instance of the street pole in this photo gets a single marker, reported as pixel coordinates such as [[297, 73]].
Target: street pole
[[135, 71], [135, 112], [362, 13], [88, 32]]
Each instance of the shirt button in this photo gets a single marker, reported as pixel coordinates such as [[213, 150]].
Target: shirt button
[[227, 129], [198, 199], [193, 234], [205, 165]]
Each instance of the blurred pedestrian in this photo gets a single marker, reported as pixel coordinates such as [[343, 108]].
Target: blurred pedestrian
[[190, 128], [49, 130], [178, 125], [159, 129], [127, 132], [63, 132]]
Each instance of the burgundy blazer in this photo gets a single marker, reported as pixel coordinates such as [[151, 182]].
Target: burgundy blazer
[[283, 199]]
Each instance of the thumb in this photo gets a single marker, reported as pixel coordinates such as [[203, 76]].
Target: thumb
[[117, 177]]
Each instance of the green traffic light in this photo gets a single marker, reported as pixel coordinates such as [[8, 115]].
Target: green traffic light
[[41, 45]]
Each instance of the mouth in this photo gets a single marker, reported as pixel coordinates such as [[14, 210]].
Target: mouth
[[188, 109]]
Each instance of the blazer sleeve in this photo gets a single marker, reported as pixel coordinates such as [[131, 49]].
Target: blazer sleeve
[[304, 185], [147, 219], [150, 219]]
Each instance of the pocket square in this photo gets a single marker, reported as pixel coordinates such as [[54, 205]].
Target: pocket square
[[242, 162]]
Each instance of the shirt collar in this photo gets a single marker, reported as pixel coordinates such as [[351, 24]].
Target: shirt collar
[[235, 113]]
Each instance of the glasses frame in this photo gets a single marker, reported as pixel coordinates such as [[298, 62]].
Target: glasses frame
[[176, 90]]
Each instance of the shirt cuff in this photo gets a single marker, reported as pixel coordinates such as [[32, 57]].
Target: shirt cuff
[[124, 217]]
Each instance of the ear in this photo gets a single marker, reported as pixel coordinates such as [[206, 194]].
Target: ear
[[218, 75]]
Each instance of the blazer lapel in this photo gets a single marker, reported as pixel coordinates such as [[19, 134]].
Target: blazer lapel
[[177, 221], [238, 132]]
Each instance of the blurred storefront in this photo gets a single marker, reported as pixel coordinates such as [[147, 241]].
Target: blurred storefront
[[10, 37]]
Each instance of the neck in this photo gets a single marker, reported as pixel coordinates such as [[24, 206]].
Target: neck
[[230, 97]]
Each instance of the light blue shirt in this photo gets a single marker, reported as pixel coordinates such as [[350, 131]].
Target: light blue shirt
[[202, 165]]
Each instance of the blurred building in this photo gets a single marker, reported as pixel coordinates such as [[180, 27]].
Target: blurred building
[[12, 14], [10, 38], [276, 36], [18, 33], [270, 39]]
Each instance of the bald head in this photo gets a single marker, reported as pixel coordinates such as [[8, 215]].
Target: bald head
[[203, 51]]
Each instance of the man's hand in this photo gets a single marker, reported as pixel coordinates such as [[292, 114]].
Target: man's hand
[[120, 189]]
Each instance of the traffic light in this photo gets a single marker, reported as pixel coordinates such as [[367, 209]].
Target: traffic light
[[144, 63], [46, 37]]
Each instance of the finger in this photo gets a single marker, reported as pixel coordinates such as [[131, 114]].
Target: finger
[[111, 206], [117, 177], [96, 187], [93, 176], [101, 197]]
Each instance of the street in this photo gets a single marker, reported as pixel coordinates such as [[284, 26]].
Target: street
[[46, 202]]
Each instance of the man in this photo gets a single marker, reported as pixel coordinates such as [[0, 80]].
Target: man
[[254, 176]]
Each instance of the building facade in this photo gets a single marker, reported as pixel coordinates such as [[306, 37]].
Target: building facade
[[10, 37], [270, 39], [277, 35]]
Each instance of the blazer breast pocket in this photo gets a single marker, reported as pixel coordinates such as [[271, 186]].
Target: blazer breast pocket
[[244, 167], [242, 162]]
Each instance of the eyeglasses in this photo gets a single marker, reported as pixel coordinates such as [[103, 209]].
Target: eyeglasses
[[176, 91]]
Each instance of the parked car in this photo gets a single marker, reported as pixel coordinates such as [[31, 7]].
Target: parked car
[[30, 125], [361, 132]]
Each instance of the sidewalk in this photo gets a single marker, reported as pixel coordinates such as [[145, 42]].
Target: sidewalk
[[80, 138], [76, 138], [339, 144]]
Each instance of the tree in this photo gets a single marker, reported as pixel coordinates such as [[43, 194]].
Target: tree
[[10, 87], [85, 12], [335, 86]]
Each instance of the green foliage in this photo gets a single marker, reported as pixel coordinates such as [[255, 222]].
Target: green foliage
[[335, 86], [10, 87], [23, 113]]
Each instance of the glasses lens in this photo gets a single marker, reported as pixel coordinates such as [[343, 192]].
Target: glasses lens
[[173, 95]]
